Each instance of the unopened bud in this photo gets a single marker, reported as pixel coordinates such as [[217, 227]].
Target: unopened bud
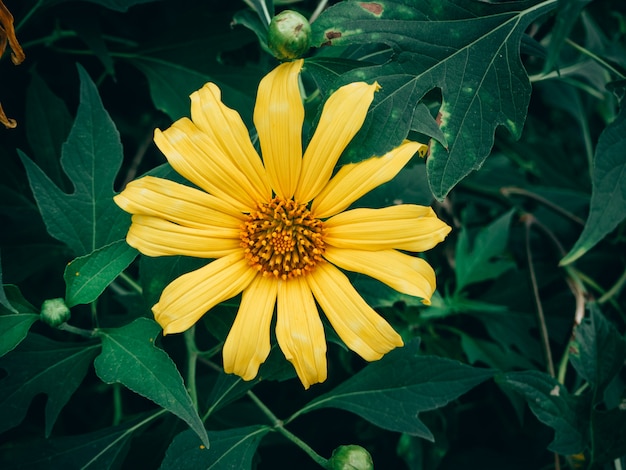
[[350, 457], [54, 312], [289, 35]]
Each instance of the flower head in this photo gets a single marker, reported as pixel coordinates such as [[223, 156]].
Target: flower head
[[278, 228]]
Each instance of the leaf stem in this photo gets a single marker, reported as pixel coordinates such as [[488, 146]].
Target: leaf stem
[[593, 56], [117, 404], [192, 359], [543, 329], [614, 290], [318, 9], [278, 425], [508, 190], [77, 331], [131, 282]]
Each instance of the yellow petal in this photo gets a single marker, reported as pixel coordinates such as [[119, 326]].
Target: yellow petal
[[190, 296], [278, 118], [154, 236], [404, 273], [354, 180], [342, 117], [402, 227], [225, 127], [177, 203], [300, 332], [196, 157], [248, 342], [357, 324]]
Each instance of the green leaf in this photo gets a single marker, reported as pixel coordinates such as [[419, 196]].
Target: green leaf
[[552, 405], [230, 449], [482, 261], [390, 393], [100, 450], [171, 84], [13, 329], [568, 11], [88, 218], [608, 192], [86, 277], [40, 365], [474, 61], [130, 357], [597, 351], [609, 435]]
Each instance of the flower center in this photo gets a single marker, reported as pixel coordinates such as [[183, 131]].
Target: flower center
[[282, 239]]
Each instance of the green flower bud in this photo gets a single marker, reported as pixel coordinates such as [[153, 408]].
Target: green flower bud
[[289, 35], [54, 312], [351, 457]]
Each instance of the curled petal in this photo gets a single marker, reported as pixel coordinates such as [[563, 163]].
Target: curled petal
[[7, 34], [354, 180], [190, 296], [248, 342], [357, 324], [225, 127], [402, 227], [199, 159], [177, 203], [154, 236], [278, 118], [342, 117], [404, 273], [300, 332]]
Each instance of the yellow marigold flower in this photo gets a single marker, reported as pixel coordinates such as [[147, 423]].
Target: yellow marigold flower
[[278, 228]]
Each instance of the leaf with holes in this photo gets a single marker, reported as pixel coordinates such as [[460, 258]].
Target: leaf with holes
[[466, 50]]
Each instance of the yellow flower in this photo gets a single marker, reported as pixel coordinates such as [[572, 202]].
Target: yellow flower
[[278, 228]]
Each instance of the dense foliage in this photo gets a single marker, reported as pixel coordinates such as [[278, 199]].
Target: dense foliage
[[519, 361]]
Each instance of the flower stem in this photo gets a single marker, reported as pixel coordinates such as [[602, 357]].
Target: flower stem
[[131, 282], [192, 359], [278, 426], [76, 331], [614, 290]]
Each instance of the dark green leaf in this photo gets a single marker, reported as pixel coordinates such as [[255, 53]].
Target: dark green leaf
[[483, 260], [568, 11], [608, 193], [492, 354], [100, 450], [424, 123], [88, 218], [609, 435], [130, 357], [230, 449], [552, 405], [597, 351], [13, 329], [86, 277], [473, 61], [48, 123], [391, 393], [40, 365]]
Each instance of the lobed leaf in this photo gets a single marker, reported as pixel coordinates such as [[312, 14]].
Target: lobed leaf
[[391, 392], [130, 357], [40, 365], [466, 50], [88, 218]]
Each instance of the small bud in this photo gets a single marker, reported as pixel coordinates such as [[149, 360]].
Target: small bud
[[289, 35], [54, 312], [351, 457]]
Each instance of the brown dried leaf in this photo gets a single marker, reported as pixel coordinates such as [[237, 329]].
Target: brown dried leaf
[[7, 33], [8, 122]]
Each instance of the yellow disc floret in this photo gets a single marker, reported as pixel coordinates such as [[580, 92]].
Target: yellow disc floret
[[282, 239]]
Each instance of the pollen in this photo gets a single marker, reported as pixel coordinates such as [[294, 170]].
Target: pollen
[[281, 239]]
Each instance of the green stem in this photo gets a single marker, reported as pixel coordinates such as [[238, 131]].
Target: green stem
[[615, 290], [131, 282], [29, 14], [563, 366], [279, 426], [192, 359], [76, 331], [508, 190], [117, 404], [600, 61]]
